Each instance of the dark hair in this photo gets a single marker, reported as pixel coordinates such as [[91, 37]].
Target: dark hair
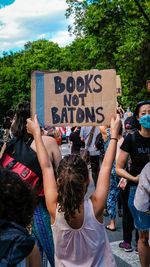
[[19, 127], [73, 175], [139, 104], [7, 123], [10, 114], [136, 112], [17, 199]]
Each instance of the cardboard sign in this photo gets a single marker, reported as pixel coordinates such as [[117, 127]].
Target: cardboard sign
[[148, 86], [73, 98], [118, 85]]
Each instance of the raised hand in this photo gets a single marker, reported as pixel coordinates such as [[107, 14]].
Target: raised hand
[[115, 125], [33, 126]]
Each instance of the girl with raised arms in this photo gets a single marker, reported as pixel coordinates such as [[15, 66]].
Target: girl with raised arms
[[79, 234]]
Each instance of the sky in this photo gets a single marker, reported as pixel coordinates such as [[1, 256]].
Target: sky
[[30, 20]]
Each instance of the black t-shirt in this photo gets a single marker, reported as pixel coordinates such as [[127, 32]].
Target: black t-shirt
[[138, 147], [76, 141]]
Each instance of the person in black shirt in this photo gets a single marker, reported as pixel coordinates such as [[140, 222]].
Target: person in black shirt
[[137, 145], [76, 140]]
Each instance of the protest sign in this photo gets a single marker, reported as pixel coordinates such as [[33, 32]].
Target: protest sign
[[148, 86], [73, 98], [118, 85]]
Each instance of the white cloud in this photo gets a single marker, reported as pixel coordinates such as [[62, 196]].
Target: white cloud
[[62, 37], [42, 36], [30, 20]]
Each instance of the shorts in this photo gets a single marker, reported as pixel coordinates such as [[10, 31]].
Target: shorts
[[141, 219]]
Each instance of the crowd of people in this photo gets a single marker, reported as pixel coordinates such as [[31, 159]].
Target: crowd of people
[[44, 215]]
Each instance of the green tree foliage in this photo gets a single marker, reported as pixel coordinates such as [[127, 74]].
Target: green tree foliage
[[15, 71], [119, 34], [109, 34]]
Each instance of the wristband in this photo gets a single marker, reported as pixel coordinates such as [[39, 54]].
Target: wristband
[[114, 139]]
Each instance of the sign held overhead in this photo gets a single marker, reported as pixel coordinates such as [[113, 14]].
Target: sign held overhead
[[73, 98]]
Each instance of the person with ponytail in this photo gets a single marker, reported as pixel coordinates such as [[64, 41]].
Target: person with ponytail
[[80, 238]]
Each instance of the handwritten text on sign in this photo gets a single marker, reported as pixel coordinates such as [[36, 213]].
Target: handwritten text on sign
[[75, 98]]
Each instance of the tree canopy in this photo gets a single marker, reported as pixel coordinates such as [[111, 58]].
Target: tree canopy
[[109, 34], [119, 37]]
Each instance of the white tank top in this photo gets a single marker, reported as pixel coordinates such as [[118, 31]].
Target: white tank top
[[87, 246]]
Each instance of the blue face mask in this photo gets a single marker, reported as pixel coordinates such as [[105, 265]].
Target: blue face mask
[[128, 110], [145, 121]]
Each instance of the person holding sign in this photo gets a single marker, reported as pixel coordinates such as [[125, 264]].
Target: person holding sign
[[79, 234], [114, 180]]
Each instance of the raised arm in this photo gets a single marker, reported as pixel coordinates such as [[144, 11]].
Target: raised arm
[[49, 183], [99, 197]]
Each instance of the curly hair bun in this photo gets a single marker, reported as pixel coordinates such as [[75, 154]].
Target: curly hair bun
[[17, 199]]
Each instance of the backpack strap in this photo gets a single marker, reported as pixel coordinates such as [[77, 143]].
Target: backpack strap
[[90, 136], [21, 153], [11, 164], [8, 145], [30, 141]]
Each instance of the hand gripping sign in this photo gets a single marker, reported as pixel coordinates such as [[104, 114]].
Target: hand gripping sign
[[73, 98]]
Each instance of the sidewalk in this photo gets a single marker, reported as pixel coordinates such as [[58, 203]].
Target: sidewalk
[[124, 259]]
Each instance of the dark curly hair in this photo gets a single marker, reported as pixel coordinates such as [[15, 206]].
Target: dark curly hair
[[17, 199], [73, 176], [19, 127]]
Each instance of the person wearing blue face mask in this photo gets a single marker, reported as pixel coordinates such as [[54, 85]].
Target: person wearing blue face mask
[[145, 121], [137, 145], [128, 113]]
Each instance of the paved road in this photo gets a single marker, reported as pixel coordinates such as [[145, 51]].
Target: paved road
[[123, 259]]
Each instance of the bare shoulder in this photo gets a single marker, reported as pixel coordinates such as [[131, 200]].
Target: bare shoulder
[[50, 144], [52, 149], [48, 140]]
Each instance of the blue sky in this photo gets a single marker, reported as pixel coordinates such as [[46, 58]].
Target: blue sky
[[29, 20]]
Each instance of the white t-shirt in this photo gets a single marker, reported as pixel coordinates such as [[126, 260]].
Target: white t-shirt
[[142, 195]]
